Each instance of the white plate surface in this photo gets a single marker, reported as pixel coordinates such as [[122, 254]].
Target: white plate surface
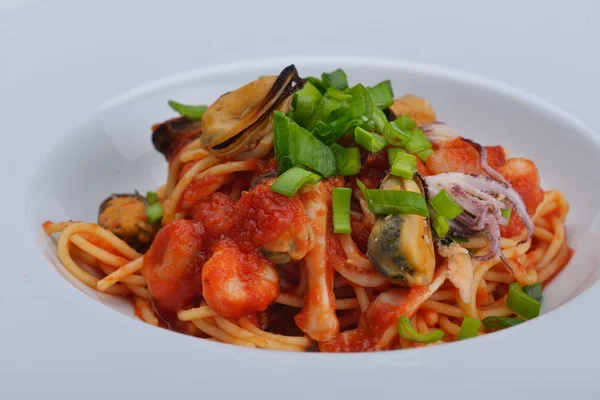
[[54, 337]]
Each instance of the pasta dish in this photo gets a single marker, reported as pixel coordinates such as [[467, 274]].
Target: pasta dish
[[305, 214]]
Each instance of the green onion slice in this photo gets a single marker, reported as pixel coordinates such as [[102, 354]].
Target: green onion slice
[[379, 120], [406, 330], [336, 79], [321, 114], [394, 135], [522, 304], [296, 147], [372, 142], [445, 205], [305, 106], [187, 111], [393, 153], [501, 322], [440, 226], [347, 159], [316, 82], [382, 94], [309, 90], [424, 154], [394, 201], [154, 213], [337, 94], [469, 328], [341, 210], [506, 213], [151, 197], [292, 180], [404, 165], [534, 291]]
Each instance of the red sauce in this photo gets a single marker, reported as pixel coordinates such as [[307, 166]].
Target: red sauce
[[217, 214]]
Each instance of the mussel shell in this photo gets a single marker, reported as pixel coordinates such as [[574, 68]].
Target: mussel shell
[[254, 123], [170, 136]]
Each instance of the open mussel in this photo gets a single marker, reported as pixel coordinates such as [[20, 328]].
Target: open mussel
[[238, 120], [170, 136], [125, 216], [401, 245]]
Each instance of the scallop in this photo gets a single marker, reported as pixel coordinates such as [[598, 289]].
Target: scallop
[[238, 120], [401, 245]]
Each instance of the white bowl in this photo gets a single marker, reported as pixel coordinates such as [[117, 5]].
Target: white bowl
[[111, 152]]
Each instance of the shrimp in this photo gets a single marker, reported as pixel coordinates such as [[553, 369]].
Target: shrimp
[[416, 107], [173, 263], [236, 284]]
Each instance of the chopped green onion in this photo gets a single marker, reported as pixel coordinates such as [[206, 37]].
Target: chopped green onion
[[445, 205], [406, 330], [336, 79], [292, 180], [394, 135], [368, 125], [154, 213], [469, 328], [424, 154], [382, 94], [187, 111], [371, 142], [440, 226], [520, 303], [506, 214], [151, 197], [305, 106], [321, 114], [316, 82], [393, 153], [295, 146], [534, 291], [501, 322], [459, 239], [347, 159], [379, 120], [337, 94], [341, 210], [308, 90], [418, 142], [405, 123], [394, 201], [404, 165]]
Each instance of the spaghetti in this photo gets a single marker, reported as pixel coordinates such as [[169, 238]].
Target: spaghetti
[[216, 253]]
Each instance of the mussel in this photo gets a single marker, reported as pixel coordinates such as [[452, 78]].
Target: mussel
[[125, 216], [401, 245], [170, 136], [238, 120]]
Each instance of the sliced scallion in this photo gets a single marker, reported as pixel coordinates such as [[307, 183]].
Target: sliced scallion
[[404, 165], [336, 79], [379, 120], [506, 213], [534, 291], [372, 142], [337, 94], [347, 159], [394, 135], [440, 226], [424, 154], [382, 94], [393, 153], [341, 210], [406, 330], [445, 205], [522, 304], [187, 111], [292, 180], [151, 197], [154, 213], [469, 328], [394, 201]]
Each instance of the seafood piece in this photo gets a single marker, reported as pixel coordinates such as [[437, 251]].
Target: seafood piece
[[278, 225], [401, 245], [236, 284], [173, 264], [238, 120], [318, 318], [482, 198], [172, 135], [125, 216], [460, 268], [416, 107]]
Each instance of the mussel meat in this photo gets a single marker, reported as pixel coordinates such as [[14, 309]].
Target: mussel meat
[[238, 120], [125, 216], [401, 245]]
